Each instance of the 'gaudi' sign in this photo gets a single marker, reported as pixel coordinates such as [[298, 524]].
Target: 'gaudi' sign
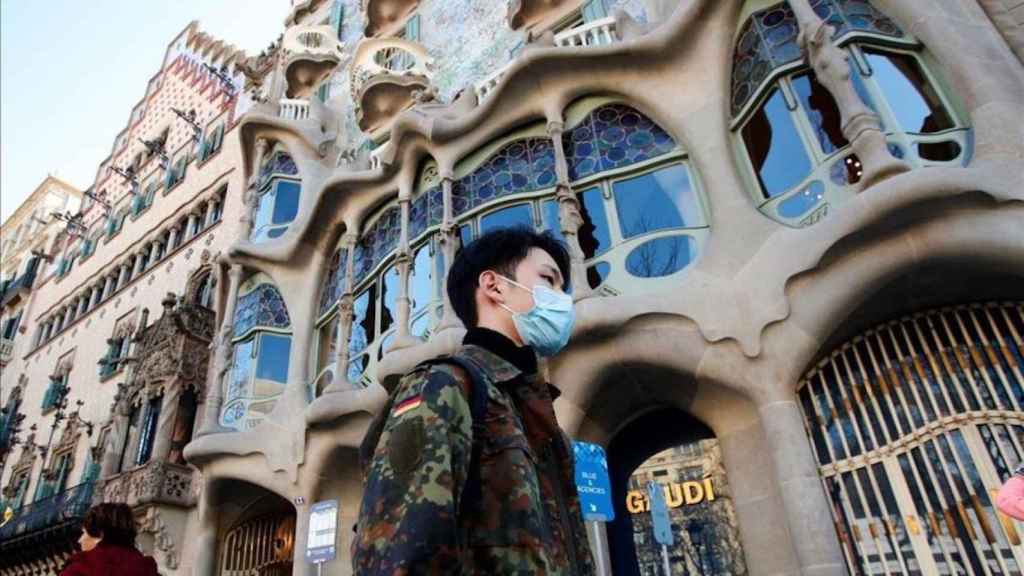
[[676, 495]]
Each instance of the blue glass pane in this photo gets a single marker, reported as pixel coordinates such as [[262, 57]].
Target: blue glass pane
[[594, 234], [802, 202], [363, 321], [420, 326], [378, 241], [821, 110], [272, 363], [421, 281], [518, 215], [775, 148], [549, 210], [286, 203], [661, 256], [263, 306], [465, 234], [435, 200], [598, 273], [263, 211], [913, 99], [389, 298], [276, 232], [357, 367], [241, 370], [657, 200]]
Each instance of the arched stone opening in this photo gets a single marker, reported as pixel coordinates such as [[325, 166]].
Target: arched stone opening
[[912, 407], [256, 530]]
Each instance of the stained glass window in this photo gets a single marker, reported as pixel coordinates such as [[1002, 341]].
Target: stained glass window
[[768, 39], [425, 210], [377, 242], [520, 166], [334, 280], [263, 306], [613, 136], [279, 163]]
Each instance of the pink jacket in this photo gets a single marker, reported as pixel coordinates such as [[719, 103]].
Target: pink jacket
[[1010, 499]]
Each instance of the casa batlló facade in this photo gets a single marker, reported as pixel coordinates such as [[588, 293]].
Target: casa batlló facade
[[797, 260]]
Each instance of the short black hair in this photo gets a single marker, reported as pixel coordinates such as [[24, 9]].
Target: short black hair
[[501, 250], [113, 522]]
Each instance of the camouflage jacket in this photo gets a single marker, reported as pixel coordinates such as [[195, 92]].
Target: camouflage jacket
[[527, 517]]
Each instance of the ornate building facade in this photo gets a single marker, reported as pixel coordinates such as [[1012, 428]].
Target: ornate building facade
[[797, 261]]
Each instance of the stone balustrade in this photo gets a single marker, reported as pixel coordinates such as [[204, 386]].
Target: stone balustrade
[[597, 33], [293, 108], [155, 482]]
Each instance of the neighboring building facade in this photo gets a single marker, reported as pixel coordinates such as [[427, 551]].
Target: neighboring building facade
[[797, 256], [118, 318], [26, 238]]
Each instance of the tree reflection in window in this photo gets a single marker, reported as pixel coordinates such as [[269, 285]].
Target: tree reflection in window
[[517, 215], [912, 98], [775, 148], [657, 200], [821, 110], [661, 256]]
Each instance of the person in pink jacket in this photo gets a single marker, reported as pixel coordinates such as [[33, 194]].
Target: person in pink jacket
[[1010, 499]]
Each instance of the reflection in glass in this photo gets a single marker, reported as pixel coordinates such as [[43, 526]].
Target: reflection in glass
[[661, 256], [517, 215], [800, 203], [357, 367], [594, 233], [938, 151], [389, 298], [362, 321], [286, 205], [821, 110], [913, 99], [272, 363], [597, 274], [420, 289], [327, 344], [549, 211], [241, 370], [657, 200], [775, 148]]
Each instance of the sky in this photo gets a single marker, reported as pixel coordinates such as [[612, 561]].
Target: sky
[[71, 70]]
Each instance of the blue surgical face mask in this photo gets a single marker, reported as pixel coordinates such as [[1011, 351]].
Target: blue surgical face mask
[[548, 325]]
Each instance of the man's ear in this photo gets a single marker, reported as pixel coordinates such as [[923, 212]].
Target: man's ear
[[491, 284]]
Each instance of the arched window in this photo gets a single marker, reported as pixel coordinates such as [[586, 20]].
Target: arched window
[[262, 347], [797, 158], [279, 191], [203, 289]]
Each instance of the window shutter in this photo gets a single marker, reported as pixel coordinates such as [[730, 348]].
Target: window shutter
[[337, 15], [412, 28], [594, 10]]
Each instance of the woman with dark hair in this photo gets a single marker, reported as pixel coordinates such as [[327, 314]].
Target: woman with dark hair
[[108, 545]]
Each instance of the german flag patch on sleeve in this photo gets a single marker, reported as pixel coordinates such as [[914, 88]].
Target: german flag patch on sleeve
[[406, 405]]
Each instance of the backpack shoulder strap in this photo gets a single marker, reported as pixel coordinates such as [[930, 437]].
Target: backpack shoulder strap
[[479, 383]]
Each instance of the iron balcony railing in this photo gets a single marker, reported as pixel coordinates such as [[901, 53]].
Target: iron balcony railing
[[15, 287], [60, 509]]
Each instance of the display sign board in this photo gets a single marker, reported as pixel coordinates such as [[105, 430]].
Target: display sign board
[[592, 482], [659, 514], [323, 531]]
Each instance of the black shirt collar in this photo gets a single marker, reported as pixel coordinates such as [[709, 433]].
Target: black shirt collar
[[522, 357]]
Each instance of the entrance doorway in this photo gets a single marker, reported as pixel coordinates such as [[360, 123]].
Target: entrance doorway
[[261, 545], [679, 454], [915, 424]]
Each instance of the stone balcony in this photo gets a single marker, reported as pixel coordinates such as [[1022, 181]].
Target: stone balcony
[[382, 15], [387, 74], [155, 482], [311, 53]]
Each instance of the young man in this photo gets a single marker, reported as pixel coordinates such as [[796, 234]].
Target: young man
[[455, 487]]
